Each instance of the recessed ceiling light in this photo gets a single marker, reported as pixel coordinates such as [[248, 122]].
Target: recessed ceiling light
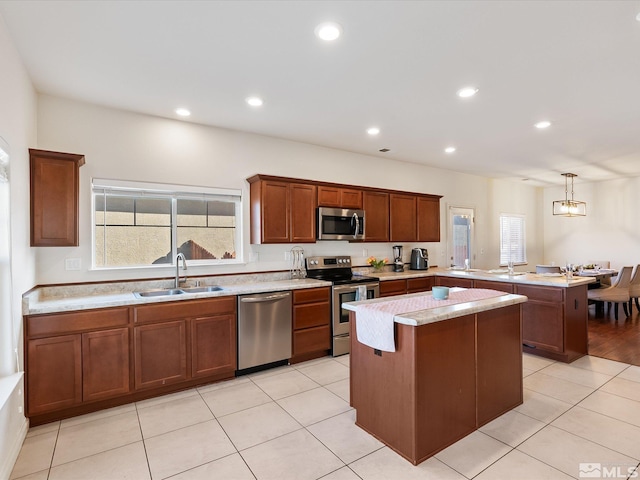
[[450, 149], [467, 92], [373, 131], [328, 31], [183, 112], [543, 124], [254, 101]]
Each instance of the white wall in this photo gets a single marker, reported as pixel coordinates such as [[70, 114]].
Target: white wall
[[18, 129], [124, 145], [610, 231]]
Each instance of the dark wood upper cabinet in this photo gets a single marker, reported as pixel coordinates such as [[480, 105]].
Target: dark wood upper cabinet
[[403, 218], [428, 219], [376, 208], [54, 198], [303, 213], [339, 197]]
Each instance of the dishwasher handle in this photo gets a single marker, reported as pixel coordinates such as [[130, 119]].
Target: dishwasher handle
[[268, 298]]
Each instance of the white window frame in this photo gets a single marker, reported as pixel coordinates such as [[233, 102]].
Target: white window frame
[[515, 220], [173, 192]]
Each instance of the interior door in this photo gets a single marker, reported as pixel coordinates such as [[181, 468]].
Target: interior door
[[460, 236]]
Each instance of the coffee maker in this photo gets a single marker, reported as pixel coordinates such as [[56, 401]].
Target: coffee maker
[[398, 265]]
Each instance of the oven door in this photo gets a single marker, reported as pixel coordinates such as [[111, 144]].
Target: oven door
[[343, 294]]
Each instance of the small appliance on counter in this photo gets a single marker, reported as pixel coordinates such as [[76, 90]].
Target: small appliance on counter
[[398, 266], [419, 259]]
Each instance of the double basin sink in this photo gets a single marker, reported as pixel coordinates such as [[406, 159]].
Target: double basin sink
[[176, 291]]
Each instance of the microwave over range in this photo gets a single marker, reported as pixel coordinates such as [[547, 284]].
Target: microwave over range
[[340, 224]]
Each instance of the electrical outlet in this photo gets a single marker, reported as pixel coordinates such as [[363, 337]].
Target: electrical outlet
[[287, 256], [482, 251], [73, 264], [365, 252]]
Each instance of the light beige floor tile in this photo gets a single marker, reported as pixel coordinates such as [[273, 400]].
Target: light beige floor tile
[[512, 428], [296, 456], [526, 372], [600, 365], [42, 475], [326, 372], [385, 464], [623, 387], [90, 417], [613, 406], [582, 376], [46, 428], [344, 473], [346, 440], [343, 359], [224, 384], [35, 455], [231, 467], [151, 402], [313, 406], [517, 465], [533, 362], [603, 430], [257, 425], [564, 390], [90, 438], [285, 384], [235, 398], [168, 416], [128, 462], [542, 407], [565, 451], [270, 371], [340, 388], [631, 373], [315, 361], [187, 448], [473, 453]]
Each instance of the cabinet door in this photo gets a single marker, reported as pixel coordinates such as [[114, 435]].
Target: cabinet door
[[428, 219], [54, 198], [329, 197], [351, 198], [403, 223], [275, 213], [213, 345], [54, 373], [542, 317], [303, 213], [376, 216], [105, 364], [160, 354], [422, 284], [311, 340], [389, 288]]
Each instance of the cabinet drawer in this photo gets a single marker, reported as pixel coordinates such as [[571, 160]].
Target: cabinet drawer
[[488, 284], [454, 282], [310, 295], [393, 287], [311, 315], [76, 322], [542, 294], [311, 340], [184, 309], [422, 284]]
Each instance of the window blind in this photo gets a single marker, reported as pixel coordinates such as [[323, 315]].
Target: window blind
[[512, 239]]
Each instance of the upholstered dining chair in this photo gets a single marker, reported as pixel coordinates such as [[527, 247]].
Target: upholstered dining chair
[[548, 269], [634, 289], [617, 293]]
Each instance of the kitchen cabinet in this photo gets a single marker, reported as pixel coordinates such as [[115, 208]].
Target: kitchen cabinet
[[54, 198], [338, 197], [500, 286], [376, 211], [428, 219], [213, 345], [454, 282], [311, 323], [160, 354], [105, 364], [402, 218], [420, 284], [389, 288], [282, 212]]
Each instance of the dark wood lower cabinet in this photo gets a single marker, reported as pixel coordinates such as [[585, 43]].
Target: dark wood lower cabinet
[[160, 354], [213, 345], [454, 282], [311, 323], [105, 364]]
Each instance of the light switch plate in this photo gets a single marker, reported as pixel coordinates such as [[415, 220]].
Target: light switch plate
[[73, 264]]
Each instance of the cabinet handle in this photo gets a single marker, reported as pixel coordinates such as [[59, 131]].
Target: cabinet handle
[[263, 299]]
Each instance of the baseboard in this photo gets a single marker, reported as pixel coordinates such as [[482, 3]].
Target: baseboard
[[14, 451]]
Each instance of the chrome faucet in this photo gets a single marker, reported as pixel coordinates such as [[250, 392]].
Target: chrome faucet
[[180, 256]]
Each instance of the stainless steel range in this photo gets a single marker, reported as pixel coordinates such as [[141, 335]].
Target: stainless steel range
[[337, 270]]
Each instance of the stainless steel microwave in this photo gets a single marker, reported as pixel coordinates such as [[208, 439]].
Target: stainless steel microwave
[[340, 224]]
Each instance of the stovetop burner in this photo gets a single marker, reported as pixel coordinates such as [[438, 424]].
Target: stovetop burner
[[334, 269]]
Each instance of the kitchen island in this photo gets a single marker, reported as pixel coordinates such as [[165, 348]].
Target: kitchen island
[[454, 368]]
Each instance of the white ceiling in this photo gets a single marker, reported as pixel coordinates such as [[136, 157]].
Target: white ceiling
[[397, 65]]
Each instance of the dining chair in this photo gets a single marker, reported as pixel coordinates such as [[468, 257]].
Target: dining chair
[[548, 269], [617, 293], [634, 289]]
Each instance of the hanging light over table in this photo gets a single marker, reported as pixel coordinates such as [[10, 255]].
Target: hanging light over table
[[569, 207]]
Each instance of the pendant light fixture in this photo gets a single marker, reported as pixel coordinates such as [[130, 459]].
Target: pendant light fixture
[[569, 207]]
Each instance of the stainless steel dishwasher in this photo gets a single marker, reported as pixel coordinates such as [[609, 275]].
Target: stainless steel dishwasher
[[264, 329]]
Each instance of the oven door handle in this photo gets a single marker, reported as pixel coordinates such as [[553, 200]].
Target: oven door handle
[[352, 288]]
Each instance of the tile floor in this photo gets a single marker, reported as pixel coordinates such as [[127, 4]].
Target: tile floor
[[295, 422]]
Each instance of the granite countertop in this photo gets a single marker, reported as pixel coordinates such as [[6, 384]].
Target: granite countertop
[[438, 314], [83, 297], [476, 274]]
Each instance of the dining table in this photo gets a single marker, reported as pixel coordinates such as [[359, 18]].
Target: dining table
[[599, 274]]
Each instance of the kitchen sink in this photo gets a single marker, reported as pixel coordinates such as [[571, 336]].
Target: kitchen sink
[[212, 288], [159, 293]]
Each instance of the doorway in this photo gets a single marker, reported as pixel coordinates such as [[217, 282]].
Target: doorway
[[461, 236]]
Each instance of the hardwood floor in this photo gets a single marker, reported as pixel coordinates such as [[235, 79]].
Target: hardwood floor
[[615, 340]]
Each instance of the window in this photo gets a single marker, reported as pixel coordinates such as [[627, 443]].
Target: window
[[512, 239], [138, 224]]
